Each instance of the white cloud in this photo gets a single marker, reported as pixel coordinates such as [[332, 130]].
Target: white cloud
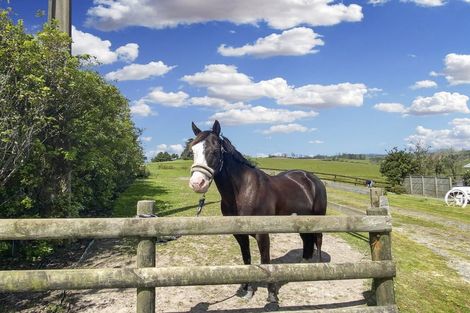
[[139, 71], [146, 138], [285, 14], [316, 142], [377, 2], [224, 81], [317, 96], [439, 103], [140, 108], [286, 129], [217, 74], [390, 107], [424, 84], [171, 99], [457, 68], [427, 3], [86, 43], [457, 137], [129, 52], [292, 42], [217, 103], [172, 148], [260, 115]]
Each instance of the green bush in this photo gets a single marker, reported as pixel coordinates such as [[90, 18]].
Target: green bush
[[397, 165], [466, 178], [68, 145]]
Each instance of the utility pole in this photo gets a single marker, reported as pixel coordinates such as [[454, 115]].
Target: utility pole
[[61, 10]]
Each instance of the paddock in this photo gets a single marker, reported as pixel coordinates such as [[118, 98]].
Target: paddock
[[145, 276]]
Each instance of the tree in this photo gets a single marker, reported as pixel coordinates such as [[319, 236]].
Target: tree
[[187, 153], [450, 161], [421, 158], [56, 116], [162, 157], [23, 92], [436, 164], [466, 178], [397, 165]]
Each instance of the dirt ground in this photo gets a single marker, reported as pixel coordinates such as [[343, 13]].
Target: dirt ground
[[206, 250]]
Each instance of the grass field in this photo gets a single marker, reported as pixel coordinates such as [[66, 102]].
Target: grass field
[[424, 283], [356, 168]]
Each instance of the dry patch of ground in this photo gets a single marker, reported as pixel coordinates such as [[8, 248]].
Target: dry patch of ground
[[207, 250]]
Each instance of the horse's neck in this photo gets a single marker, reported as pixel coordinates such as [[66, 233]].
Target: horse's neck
[[232, 178]]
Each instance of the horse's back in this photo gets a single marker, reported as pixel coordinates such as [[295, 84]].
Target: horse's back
[[301, 192]]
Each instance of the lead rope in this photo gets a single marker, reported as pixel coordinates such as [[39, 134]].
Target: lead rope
[[201, 204]]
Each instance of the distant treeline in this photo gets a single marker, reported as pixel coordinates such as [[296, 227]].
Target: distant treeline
[[338, 157]]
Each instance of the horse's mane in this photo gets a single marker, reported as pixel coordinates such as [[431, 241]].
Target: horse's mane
[[237, 156]]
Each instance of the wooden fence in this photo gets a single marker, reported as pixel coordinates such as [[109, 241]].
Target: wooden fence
[[145, 277], [356, 181]]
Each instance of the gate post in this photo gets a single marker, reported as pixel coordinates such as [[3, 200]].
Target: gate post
[[146, 258], [381, 250]]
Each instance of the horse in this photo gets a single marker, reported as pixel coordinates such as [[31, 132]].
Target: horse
[[246, 190]]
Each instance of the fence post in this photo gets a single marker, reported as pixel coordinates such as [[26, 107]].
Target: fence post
[[381, 249], [146, 258], [411, 184], [436, 186], [422, 183]]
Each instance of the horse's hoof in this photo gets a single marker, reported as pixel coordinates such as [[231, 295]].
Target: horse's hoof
[[241, 291], [272, 298], [246, 291], [249, 294], [272, 306]]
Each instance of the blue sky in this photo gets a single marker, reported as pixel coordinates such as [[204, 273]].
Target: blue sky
[[305, 77]]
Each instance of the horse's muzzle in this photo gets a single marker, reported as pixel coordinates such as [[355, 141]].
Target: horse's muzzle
[[199, 182]]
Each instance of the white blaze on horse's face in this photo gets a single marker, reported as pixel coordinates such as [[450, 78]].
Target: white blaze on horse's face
[[199, 182]]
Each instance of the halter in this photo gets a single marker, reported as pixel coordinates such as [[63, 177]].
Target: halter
[[209, 172], [206, 170]]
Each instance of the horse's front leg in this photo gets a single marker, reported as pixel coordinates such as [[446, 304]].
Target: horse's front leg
[[247, 290], [264, 245]]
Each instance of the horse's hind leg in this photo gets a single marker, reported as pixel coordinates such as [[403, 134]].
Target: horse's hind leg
[[318, 242], [247, 290], [263, 245], [308, 240]]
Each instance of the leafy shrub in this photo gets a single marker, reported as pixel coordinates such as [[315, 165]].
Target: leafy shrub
[[466, 178]]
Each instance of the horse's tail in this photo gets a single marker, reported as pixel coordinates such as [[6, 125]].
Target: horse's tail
[[319, 207]]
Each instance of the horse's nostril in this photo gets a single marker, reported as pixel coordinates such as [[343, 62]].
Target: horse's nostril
[[202, 183]]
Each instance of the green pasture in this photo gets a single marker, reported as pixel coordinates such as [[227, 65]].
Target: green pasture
[[424, 282], [356, 168]]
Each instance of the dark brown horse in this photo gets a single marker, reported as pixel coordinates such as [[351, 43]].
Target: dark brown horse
[[246, 190]]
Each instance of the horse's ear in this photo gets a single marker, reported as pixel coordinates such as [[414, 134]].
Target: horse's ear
[[196, 130], [216, 128]]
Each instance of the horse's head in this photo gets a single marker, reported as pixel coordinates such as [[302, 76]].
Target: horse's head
[[208, 157]]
